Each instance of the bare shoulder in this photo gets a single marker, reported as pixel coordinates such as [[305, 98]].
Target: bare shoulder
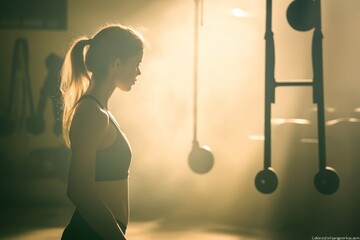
[[89, 124]]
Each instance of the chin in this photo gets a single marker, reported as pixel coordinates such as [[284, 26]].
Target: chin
[[125, 88]]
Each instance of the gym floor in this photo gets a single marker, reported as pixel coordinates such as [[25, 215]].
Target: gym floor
[[48, 223]]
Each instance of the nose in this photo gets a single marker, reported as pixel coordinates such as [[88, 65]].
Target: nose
[[138, 71]]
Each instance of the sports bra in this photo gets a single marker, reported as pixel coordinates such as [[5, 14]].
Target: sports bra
[[113, 162]]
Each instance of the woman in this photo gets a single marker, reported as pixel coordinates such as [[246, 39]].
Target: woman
[[101, 155]]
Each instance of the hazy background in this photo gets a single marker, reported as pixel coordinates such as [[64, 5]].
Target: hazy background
[[157, 115]]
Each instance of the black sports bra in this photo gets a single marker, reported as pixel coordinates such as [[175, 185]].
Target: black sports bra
[[113, 162]]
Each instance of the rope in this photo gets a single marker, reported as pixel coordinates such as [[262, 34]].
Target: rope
[[19, 71], [196, 52]]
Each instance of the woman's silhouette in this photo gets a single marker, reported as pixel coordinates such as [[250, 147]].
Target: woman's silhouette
[[101, 154]]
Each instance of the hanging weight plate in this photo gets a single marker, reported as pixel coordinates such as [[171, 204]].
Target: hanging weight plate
[[327, 181], [266, 181], [301, 15], [201, 160]]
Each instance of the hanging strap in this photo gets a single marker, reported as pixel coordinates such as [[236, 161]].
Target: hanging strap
[[196, 53]]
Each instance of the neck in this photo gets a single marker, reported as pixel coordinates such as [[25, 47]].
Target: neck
[[101, 89]]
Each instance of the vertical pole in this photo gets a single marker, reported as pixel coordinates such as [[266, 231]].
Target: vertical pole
[[319, 85], [269, 82]]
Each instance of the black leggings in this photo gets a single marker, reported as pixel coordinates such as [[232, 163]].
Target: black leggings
[[79, 229]]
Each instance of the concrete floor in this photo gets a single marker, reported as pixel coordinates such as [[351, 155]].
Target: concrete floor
[[137, 231], [48, 223]]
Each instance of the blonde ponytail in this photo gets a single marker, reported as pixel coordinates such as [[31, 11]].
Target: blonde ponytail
[[74, 82]]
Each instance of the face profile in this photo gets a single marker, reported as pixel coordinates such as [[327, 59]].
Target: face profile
[[127, 71]]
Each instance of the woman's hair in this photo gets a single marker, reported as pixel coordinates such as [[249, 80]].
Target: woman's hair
[[92, 57]]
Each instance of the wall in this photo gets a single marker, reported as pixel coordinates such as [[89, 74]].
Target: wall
[[157, 114]]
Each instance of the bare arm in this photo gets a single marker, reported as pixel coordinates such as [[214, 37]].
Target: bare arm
[[87, 131]]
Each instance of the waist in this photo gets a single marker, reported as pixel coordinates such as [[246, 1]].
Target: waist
[[111, 168], [115, 194], [79, 224]]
